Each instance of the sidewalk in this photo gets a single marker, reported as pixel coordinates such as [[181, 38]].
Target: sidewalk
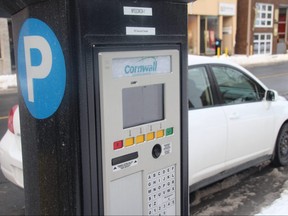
[[256, 60], [8, 84], [12, 90]]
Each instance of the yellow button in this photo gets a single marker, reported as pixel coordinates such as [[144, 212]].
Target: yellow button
[[160, 134], [150, 136], [129, 141], [140, 139]]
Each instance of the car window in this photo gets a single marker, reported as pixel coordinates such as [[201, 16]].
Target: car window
[[236, 87], [199, 90]]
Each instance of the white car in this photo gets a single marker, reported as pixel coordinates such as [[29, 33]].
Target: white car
[[10, 150], [235, 122]]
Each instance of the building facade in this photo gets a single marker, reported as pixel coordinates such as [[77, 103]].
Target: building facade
[[5, 52], [211, 20], [262, 27]]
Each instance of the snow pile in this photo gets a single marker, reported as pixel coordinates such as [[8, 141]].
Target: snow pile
[[244, 196], [279, 206], [8, 81], [255, 59]]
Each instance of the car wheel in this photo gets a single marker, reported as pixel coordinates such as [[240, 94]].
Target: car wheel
[[281, 149]]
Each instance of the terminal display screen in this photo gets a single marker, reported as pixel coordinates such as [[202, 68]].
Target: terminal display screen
[[142, 105]]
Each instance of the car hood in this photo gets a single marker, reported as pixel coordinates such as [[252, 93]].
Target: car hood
[[281, 98]]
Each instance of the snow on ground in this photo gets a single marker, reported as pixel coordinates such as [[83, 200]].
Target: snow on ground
[[255, 59], [8, 81], [279, 206], [225, 205], [263, 194]]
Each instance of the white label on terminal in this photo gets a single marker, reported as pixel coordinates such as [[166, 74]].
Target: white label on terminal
[[137, 11], [139, 66], [166, 149], [140, 31], [125, 165]]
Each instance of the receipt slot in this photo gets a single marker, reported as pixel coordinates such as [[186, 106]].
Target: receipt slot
[[103, 105]]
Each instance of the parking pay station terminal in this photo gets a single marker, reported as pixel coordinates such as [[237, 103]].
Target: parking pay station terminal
[[141, 131], [103, 105]]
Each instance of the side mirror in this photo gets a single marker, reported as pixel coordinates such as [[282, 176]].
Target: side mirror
[[270, 95]]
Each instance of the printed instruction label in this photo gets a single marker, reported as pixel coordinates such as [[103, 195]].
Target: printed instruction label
[[167, 149], [125, 165], [140, 31]]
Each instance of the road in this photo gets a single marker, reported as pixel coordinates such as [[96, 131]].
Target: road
[[274, 77], [241, 194]]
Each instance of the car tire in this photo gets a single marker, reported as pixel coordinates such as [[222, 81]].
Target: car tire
[[280, 157]]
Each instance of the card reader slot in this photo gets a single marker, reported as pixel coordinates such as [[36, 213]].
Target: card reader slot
[[124, 158]]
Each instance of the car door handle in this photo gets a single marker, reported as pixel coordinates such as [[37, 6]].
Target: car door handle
[[234, 115]]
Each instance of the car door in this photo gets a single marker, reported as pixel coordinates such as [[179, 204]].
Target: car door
[[207, 127], [250, 119]]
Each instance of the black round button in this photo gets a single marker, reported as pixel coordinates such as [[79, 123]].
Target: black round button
[[156, 151]]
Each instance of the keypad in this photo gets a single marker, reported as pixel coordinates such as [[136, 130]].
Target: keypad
[[161, 189]]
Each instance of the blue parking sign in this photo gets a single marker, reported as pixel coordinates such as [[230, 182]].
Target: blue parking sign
[[41, 68]]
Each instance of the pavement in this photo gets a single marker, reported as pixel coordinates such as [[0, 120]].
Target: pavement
[[11, 198]]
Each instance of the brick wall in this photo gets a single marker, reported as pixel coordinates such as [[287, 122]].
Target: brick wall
[[242, 22]]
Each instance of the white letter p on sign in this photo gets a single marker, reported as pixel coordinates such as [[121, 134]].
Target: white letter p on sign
[[40, 71]]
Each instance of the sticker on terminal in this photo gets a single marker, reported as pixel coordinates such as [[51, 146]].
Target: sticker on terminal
[[166, 149], [125, 165], [41, 68]]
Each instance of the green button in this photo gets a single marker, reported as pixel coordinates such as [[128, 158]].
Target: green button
[[169, 131]]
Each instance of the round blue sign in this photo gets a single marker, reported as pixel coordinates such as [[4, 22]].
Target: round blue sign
[[41, 68]]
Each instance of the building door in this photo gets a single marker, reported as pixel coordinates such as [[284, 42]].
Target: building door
[[209, 31], [202, 35], [282, 26], [282, 31]]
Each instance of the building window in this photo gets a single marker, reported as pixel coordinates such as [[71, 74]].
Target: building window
[[264, 15], [263, 43]]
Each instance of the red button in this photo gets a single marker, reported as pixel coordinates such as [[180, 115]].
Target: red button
[[118, 144]]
